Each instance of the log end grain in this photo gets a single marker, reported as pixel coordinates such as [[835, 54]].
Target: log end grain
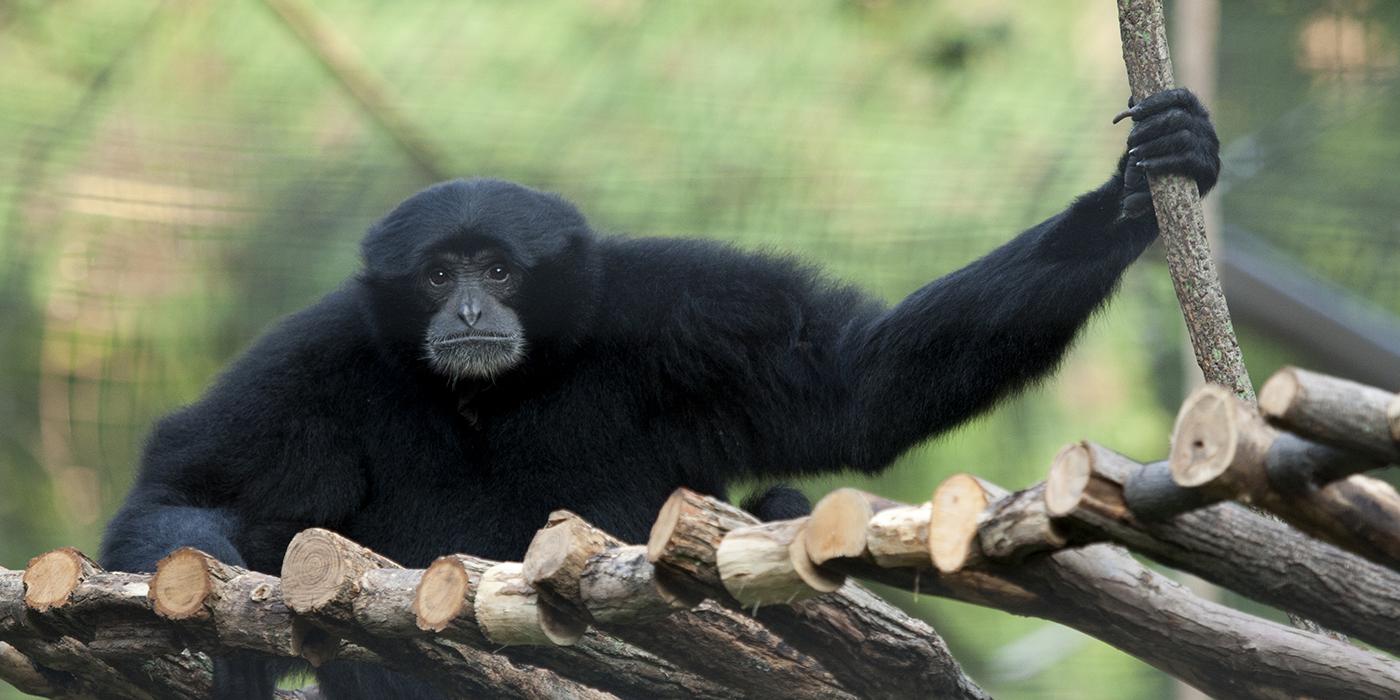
[[665, 526], [1206, 436], [1280, 392], [837, 526], [181, 585], [952, 533], [1068, 479], [444, 594], [52, 576]]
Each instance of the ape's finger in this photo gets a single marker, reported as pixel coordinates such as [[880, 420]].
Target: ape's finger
[[1179, 141], [1160, 125]]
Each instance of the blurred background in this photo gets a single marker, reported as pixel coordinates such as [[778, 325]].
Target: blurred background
[[176, 175]]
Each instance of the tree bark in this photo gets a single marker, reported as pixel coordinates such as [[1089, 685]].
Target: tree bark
[[1105, 593], [893, 656], [615, 586], [1178, 206], [1351, 416], [1232, 546], [605, 664]]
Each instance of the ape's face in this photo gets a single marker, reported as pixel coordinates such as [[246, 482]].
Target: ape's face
[[475, 333]]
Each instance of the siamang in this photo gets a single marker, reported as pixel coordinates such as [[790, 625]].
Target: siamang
[[496, 359]]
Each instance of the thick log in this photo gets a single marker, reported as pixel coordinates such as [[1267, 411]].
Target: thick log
[[1338, 412], [21, 672], [837, 526], [1231, 546], [1223, 449], [766, 563], [894, 656]]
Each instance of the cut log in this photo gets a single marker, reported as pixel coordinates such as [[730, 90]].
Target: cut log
[[1347, 415], [1018, 526], [188, 583], [1351, 416], [837, 526], [326, 597], [443, 601], [1222, 446], [321, 572], [685, 536], [557, 555], [954, 509], [509, 611], [1223, 449], [225, 609], [766, 563], [1105, 593], [51, 577], [618, 587], [898, 537], [1232, 546], [894, 655], [1153, 494]]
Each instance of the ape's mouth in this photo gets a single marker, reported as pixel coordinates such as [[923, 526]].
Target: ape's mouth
[[472, 339]]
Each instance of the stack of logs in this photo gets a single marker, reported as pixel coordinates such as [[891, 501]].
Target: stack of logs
[[719, 605]]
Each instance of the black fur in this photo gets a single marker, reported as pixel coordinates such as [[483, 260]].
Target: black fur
[[651, 364]]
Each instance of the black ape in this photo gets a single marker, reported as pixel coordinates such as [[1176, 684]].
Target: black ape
[[496, 360]]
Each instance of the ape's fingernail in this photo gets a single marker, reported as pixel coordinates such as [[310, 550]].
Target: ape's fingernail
[[1132, 151]]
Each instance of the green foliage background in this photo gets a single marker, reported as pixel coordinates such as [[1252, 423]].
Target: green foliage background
[[173, 176]]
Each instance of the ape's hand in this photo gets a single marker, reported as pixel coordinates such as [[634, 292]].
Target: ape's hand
[[1172, 135]]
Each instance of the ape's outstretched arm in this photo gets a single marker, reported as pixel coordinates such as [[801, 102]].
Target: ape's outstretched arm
[[955, 347]]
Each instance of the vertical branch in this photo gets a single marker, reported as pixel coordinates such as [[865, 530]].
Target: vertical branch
[[1179, 216]]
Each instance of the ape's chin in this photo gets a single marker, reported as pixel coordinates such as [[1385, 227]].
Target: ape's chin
[[476, 356]]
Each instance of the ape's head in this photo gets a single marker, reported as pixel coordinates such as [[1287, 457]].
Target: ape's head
[[476, 275]]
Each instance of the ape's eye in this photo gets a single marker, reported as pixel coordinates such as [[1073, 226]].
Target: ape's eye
[[438, 277], [498, 273]]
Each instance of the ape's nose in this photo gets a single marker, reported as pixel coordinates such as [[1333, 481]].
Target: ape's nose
[[470, 313]]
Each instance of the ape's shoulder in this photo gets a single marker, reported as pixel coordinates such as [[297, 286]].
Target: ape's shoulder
[[304, 366], [691, 286]]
